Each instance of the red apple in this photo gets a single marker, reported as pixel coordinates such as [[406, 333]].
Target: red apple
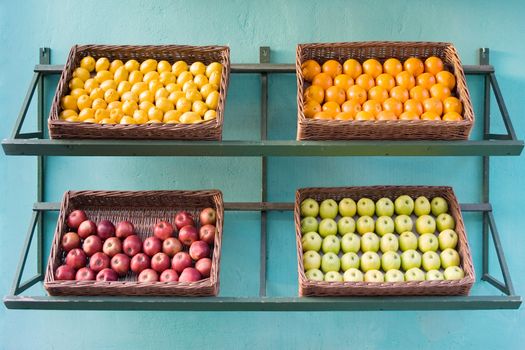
[[120, 263], [180, 261], [160, 262], [85, 274], [65, 273], [188, 235], [199, 250], [105, 229], [148, 275], [171, 246], [112, 246], [75, 218], [70, 241], [183, 218], [190, 274], [92, 245], [140, 262], [163, 230], [124, 229], [152, 245], [169, 275], [107, 275], [207, 233], [86, 229], [76, 258], [204, 266], [98, 262], [132, 245], [208, 216]]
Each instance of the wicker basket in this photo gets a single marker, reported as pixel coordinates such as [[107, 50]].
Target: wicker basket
[[313, 288], [209, 130], [143, 209], [313, 129]]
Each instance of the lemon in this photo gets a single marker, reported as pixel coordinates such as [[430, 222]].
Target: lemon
[[146, 105], [81, 73], [115, 104], [148, 65], [88, 63], [69, 102], [153, 121], [184, 77], [172, 116], [101, 114], [172, 87], [193, 95], [132, 65], [150, 76], [155, 114], [76, 83], [108, 84], [215, 78], [102, 64], [106, 121], [197, 68], [99, 103], [96, 93], [174, 96], [213, 67], [73, 118], [129, 96], [123, 86], [137, 88], [111, 95], [103, 75], [183, 104], [115, 65], [140, 116], [68, 113], [135, 77], [162, 92], [90, 84], [207, 89], [163, 66], [200, 80], [116, 114], [127, 120], [154, 85], [84, 101], [213, 100], [164, 104], [210, 114], [199, 107], [90, 120], [129, 106], [86, 113], [76, 93], [167, 78], [189, 85], [190, 117], [179, 67], [121, 74], [146, 95]]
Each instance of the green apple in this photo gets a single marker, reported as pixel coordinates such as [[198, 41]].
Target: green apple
[[330, 262], [407, 241], [311, 260], [314, 275], [370, 261], [448, 239], [349, 260], [350, 243], [369, 242], [328, 209], [331, 244], [445, 222], [327, 227], [438, 206], [430, 261], [374, 276], [425, 224], [390, 261], [353, 275], [410, 259], [366, 207], [403, 223], [421, 206], [333, 276], [428, 242], [434, 275], [365, 224], [384, 207], [389, 243], [309, 224], [345, 224], [384, 225], [414, 274], [309, 207], [449, 257], [453, 273], [347, 207], [394, 276], [404, 205], [311, 241]]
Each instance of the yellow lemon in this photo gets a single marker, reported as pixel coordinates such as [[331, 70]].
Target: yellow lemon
[[106, 121], [76, 93], [127, 120], [207, 89], [129, 96], [88, 63], [90, 84], [162, 92], [193, 95], [115, 104], [215, 78], [84, 101], [132, 65], [213, 67], [164, 104], [96, 93], [115, 65], [137, 88], [154, 121], [172, 87], [183, 104], [200, 80], [121, 74], [189, 117], [155, 85], [86, 113], [123, 86], [81, 73], [116, 114], [179, 67], [149, 76], [210, 114], [167, 78], [172, 116], [199, 107], [73, 118], [140, 116], [67, 113], [213, 100], [99, 103], [163, 66], [184, 77], [146, 105], [108, 84], [146, 95], [155, 114], [129, 106], [135, 77], [197, 68], [101, 114], [189, 85], [174, 96], [148, 65], [102, 64], [76, 83], [90, 120], [103, 75]]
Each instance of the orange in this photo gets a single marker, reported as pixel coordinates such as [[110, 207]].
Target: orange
[[430, 116], [323, 80], [352, 68], [364, 116], [433, 65], [433, 105], [386, 81], [372, 67], [406, 80], [327, 115], [331, 106], [336, 94], [372, 106], [452, 104], [393, 105], [310, 69], [392, 66], [344, 116], [386, 115], [311, 107], [332, 68], [314, 92], [446, 78], [419, 93], [426, 80], [343, 81], [414, 66], [378, 93], [440, 91], [356, 92], [399, 93], [351, 106], [413, 106], [366, 81], [452, 116], [409, 116]]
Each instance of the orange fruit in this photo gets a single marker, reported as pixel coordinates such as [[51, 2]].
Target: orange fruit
[[372, 67], [326, 115], [419, 93], [378, 93], [311, 107], [323, 80], [413, 106], [352, 68], [399, 93], [425, 80], [331, 106], [414, 66], [332, 68], [409, 116], [433, 65], [310, 69], [452, 116], [372, 106], [351, 106], [366, 81], [343, 81], [430, 116], [336, 94], [364, 116], [392, 66], [452, 104], [433, 105], [406, 80], [446, 78], [386, 115], [386, 81], [344, 116], [314, 92], [356, 92], [440, 91], [393, 105]]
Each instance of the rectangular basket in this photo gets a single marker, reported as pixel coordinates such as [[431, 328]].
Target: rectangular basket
[[313, 129], [457, 287], [143, 209], [209, 130]]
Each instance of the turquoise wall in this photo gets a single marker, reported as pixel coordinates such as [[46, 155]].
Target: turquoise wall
[[244, 26]]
